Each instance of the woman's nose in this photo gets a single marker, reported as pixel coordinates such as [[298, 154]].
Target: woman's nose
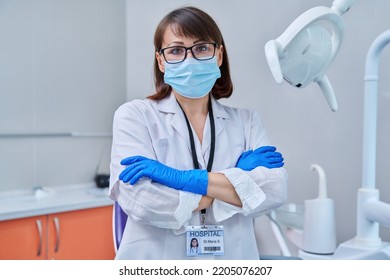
[[189, 53]]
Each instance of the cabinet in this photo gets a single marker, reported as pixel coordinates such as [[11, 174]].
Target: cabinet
[[74, 235]]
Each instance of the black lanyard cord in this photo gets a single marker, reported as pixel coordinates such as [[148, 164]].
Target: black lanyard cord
[[193, 150], [212, 145], [192, 142]]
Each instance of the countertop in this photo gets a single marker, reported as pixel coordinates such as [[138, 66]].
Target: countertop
[[49, 200]]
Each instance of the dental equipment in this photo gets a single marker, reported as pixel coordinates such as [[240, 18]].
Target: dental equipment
[[304, 51], [306, 224], [319, 220], [371, 212]]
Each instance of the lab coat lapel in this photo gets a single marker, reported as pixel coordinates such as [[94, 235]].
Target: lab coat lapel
[[179, 124], [169, 105], [219, 114]]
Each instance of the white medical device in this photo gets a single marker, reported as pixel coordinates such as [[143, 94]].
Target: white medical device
[[319, 228], [371, 212], [301, 55], [305, 50]]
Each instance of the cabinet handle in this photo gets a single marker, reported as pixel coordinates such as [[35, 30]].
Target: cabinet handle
[[56, 221], [39, 227]]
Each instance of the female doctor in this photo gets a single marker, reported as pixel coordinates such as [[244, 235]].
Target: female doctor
[[183, 165]]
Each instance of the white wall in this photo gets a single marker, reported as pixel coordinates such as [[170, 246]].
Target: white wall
[[299, 121], [62, 68]]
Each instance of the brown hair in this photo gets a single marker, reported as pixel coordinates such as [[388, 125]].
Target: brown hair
[[191, 22]]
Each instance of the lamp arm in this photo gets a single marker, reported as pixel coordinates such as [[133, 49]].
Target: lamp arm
[[342, 6]]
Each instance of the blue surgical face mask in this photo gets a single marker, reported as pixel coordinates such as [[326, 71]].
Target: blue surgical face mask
[[192, 78]]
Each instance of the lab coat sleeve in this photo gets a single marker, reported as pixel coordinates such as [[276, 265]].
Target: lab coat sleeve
[[260, 190], [147, 201], [154, 204]]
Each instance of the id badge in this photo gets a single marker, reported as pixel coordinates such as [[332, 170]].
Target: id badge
[[206, 240]]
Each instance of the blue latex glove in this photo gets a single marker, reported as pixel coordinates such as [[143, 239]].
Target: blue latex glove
[[195, 181], [264, 156]]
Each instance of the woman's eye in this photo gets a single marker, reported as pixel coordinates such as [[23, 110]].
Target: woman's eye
[[201, 48], [175, 51]]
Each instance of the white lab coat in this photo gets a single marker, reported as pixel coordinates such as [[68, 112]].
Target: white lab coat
[[157, 214]]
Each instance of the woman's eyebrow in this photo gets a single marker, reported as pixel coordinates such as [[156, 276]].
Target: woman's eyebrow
[[176, 43], [199, 41], [182, 43]]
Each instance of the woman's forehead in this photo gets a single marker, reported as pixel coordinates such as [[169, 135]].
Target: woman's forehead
[[173, 36]]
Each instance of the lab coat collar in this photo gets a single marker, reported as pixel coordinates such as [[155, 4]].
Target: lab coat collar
[[170, 105]]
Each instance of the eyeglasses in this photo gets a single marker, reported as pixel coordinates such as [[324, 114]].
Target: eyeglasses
[[177, 54]]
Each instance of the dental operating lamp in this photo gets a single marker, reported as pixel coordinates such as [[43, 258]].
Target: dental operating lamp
[[304, 51]]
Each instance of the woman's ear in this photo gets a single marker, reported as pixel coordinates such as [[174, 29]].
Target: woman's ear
[[160, 61], [220, 56]]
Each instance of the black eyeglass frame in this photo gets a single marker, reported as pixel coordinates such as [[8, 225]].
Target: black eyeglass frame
[[186, 51]]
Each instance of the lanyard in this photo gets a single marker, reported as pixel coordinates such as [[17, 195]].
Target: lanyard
[[193, 150], [191, 136]]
